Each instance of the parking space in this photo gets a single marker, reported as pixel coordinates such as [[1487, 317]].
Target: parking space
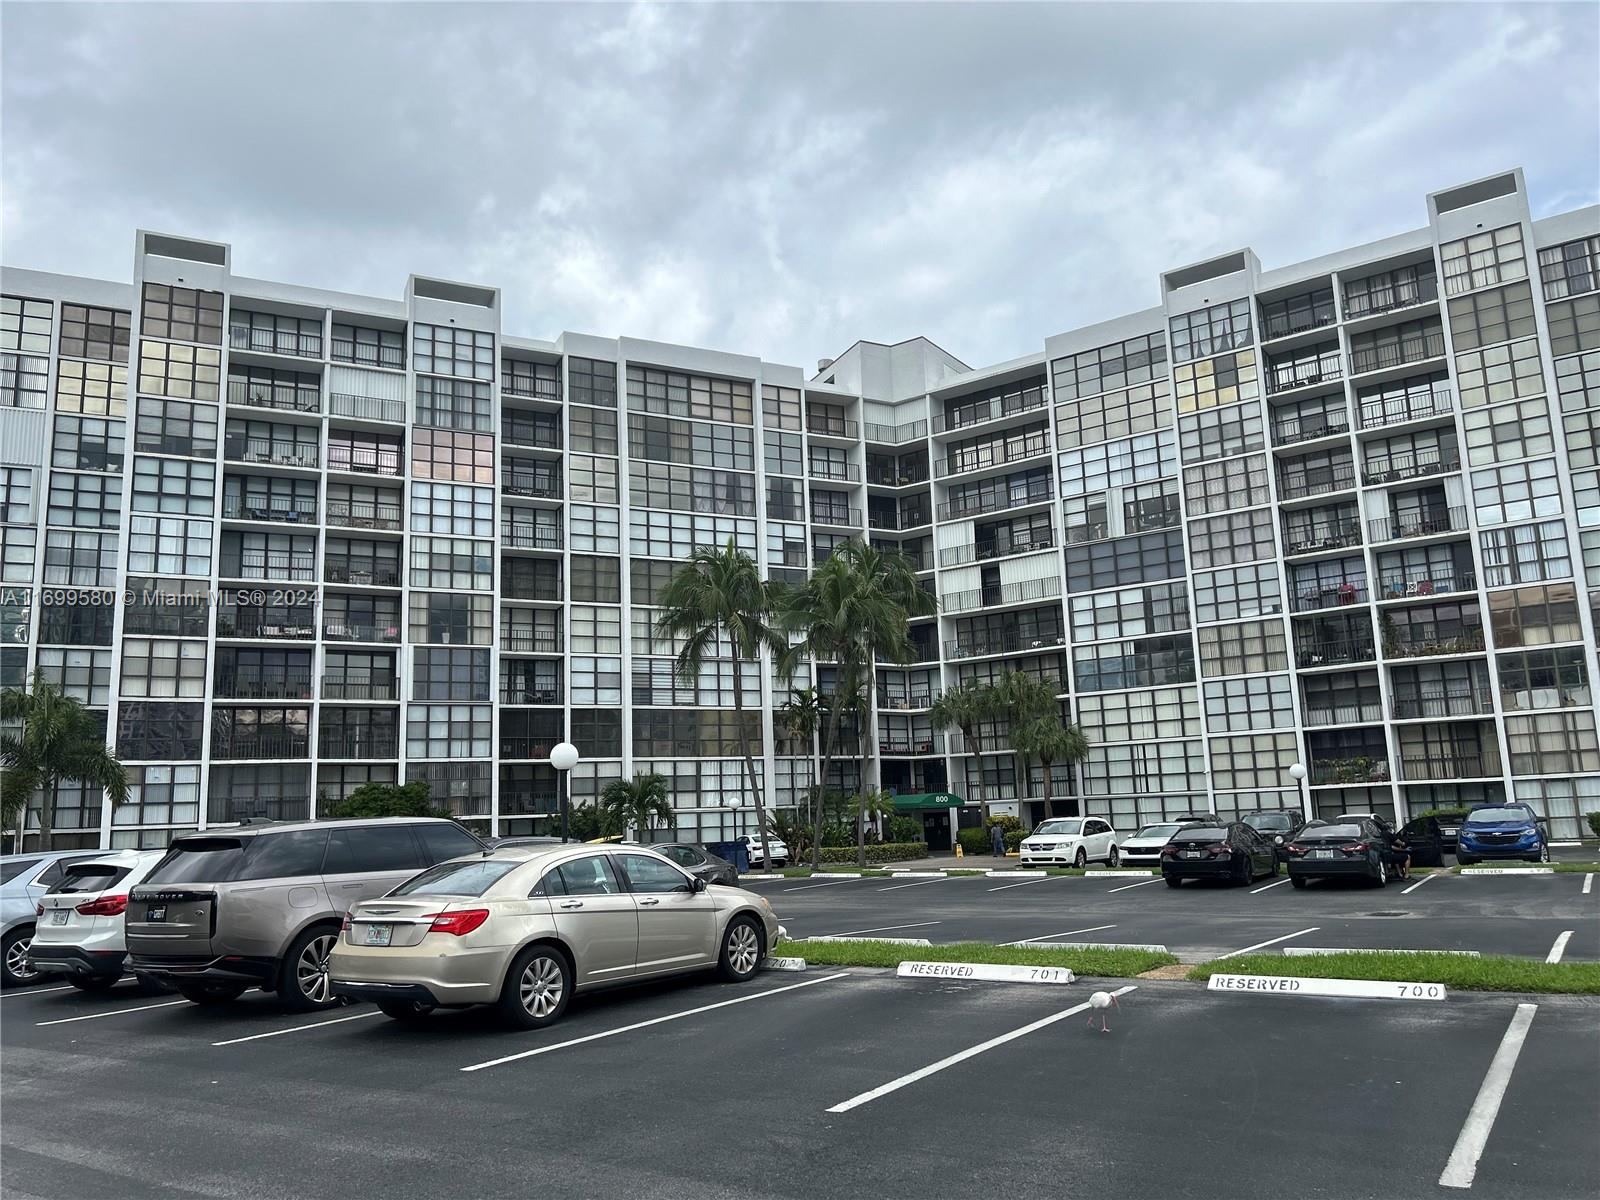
[[787, 1086]]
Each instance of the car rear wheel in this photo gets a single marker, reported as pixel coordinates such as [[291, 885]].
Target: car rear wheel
[[1173, 881], [210, 993], [16, 972], [407, 1012], [1297, 881], [1081, 858], [1245, 872], [1464, 860], [303, 978], [536, 989], [92, 983], [1114, 859], [1381, 879]]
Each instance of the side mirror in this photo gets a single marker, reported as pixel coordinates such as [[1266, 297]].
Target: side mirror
[[699, 884]]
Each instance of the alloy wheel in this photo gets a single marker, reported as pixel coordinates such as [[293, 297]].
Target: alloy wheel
[[744, 948], [311, 970], [17, 961], [541, 986]]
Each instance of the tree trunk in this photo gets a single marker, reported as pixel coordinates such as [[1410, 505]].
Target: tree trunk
[[830, 741], [750, 767], [1048, 810], [973, 748], [47, 813], [872, 736]]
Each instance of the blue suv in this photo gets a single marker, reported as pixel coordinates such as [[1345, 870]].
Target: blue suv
[[1501, 831]]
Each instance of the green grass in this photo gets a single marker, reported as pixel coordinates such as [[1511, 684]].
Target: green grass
[[1117, 964], [1487, 974]]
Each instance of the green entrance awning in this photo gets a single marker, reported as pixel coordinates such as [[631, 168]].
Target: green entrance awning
[[929, 800]]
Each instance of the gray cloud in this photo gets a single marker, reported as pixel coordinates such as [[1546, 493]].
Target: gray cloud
[[776, 179]]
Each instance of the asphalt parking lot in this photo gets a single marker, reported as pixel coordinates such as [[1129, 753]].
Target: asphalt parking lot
[[828, 1083]]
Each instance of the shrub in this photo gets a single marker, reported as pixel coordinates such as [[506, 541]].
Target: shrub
[[902, 829], [1006, 821], [1594, 823], [882, 852], [1456, 811], [386, 800], [973, 841], [1014, 839]]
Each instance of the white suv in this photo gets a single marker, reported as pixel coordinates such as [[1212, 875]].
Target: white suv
[[81, 921], [1071, 842], [780, 852]]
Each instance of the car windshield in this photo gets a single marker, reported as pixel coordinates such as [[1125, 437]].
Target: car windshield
[[1157, 831], [1343, 831], [89, 877], [1057, 827], [1203, 833], [470, 878], [1269, 821], [1479, 816], [199, 860]]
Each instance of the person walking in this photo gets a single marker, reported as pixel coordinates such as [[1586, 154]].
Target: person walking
[[997, 841]]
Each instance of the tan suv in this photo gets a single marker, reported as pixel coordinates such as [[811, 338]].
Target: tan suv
[[260, 905]]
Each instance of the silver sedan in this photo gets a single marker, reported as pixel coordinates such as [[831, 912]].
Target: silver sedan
[[525, 927]]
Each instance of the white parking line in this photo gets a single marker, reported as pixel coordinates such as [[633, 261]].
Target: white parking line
[[1275, 883], [1560, 947], [884, 928], [1024, 883], [1050, 937], [919, 883], [595, 1037], [1417, 884], [1463, 1165], [116, 1012], [1269, 942], [1588, 884], [895, 1085], [66, 987], [1141, 883], [256, 1037]]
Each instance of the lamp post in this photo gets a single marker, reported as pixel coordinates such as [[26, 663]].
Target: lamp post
[[563, 758], [1297, 772]]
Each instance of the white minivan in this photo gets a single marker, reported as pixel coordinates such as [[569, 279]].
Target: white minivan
[[1071, 842], [80, 927]]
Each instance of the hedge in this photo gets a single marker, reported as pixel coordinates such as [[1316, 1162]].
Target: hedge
[[976, 841], [1594, 822], [877, 853]]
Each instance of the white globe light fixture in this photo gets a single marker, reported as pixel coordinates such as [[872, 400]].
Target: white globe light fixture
[[563, 758], [1297, 772]]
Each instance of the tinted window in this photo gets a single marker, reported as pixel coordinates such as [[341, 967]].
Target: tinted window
[[371, 848], [285, 855], [1504, 812], [458, 879], [11, 870], [1097, 827], [1269, 822], [89, 877], [682, 855], [550, 885], [199, 860], [54, 871], [1342, 832], [1155, 831], [590, 876], [1202, 833], [440, 842], [652, 875]]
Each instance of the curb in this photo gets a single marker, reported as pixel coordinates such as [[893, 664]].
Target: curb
[[1509, 871], [1115, 874]]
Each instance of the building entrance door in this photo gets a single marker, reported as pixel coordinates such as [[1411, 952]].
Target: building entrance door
[[936, 830]]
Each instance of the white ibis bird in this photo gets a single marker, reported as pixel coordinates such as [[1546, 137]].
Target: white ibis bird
[[1099, 1002]]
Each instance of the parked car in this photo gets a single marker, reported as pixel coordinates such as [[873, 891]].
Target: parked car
[[700, 862], [1502, 831], [24, 879], [80, 932], [1231, 851], [1144, 847], [1424, 837], [1196, 818], [524, 929], [1450, 828], [260, 905], [752, 847], [1277, 825], [1071, 841], [1356, 847], [527, 840]]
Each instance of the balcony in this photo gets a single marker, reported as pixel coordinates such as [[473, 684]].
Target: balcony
[[357, 687], [838, 427], [528, 802], [990, 410], [1317, 536], [365, 514], [895, 435], [1302, 320], [530, 695], [1409, 586], [254, 623], [361, 631], [907, 745], [525, 483], [1354, 769], [1332, 593], [278, 452], [905, 703], [897, 520], [283, 398], [1007, 643], [1344, 714], [541, 435], [993, 454], [1334, 652], [530, 537], [1003, 593], [292, 684], [531, 641], [271, 566], [1398, 410], [1367, 359], [840, 472], [362, 571], [356, 742], [1416, 464], [897, 477], [844, 518], [954, 510], [1327, 367], [1422, 768], [1415, 525], [1300, 484], [1391, 298], [292, 510], [359, 460], [1462, 641], [516, 586], [1294, 430], [533, 746], [952, 556], [366, 408], [275, 341], [262, 743], [1437, 705]]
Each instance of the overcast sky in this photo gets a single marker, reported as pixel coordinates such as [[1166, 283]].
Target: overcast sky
[[777, 180]]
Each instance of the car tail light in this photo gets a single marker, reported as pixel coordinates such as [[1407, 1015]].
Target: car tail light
[[1169, 852], [1356, 848], [1294, 848], [105, 906], [458, 923], [38, 909], [1219, 848], [344, 926]]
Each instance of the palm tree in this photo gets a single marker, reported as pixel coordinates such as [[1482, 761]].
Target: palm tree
[[872, 803], [852, 611], [1051, 742], [962, 707], [59, 741], [1019, 700], [718, 596], [640, 802], [801, 716]]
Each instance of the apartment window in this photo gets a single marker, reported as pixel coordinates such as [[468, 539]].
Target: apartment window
[[162, 668], [1558, 743], [1490, 317], [162, 731], [1574, 325], [88, 332], [87, 444], [1233, 483], [709, 732], [170, 485], [523, 378], [450, 674], [25, 325], [666, 440], [18, 557], [677, 535], [1517, 492], [170, 606], [446, 350], [784, 455], [1123, 561], [16, 496], [1583, 439], [1240, 592], [182, 372], [591, 381], [1544, 679], [1210, 330], [24, 381], [1141, 409], [157, 795], [455, 404], [1164, 713], [596, 680], [1486, 258], [1508, 431], [1141, 769], [182, 314], [442, 562], [1250, 648], [1403, 287], [1137, 360], [591, 478], [780, 407], [370, 347], [175, 427], [1261, 702], [169, 546], [74, 557], [679, 395], [1217, 381], [1134, 460], [452, 508], [1569, 269], [448, 731], [84, 675], [1218, 433], [275, 334], [1526, 553], [593, 431], [1500, 373], [595, 529], [1310, 310], [596, 579], [443, 617], [1256, 761], [692, 489], [1535, 616], [84, 501], [1148, 662], [1231, 538], [1130, 612], [462, 457], [371, 453]]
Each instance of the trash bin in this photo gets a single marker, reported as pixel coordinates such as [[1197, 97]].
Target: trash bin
[[733, 852]]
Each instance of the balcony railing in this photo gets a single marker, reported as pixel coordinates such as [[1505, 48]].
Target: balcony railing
[[1396, 354], [530, 537], [1397, 410], [270, 450], [840, 517], [897, 477], [541, 435], [366, 408], [1330, 593], [358, 743], [844, 472], [283, 397], [1294, 430], [1405, 586], [1003, 593], [1416, 464], [265, 743], [1461, 641], [1344, 714], [530, 695], [1356, 768], [275, 341], [297, 510], [1422, 767], [1298, 373], [905, 703], [1415, 525], [993, 454], [897, 520], [363, 460], [251, 623], [532, 746], [1441, 704], [989, 410], [277, 685], [271, 565], [1395, 296], [1316, 483], [894, 435], [524, 587], [531, 641], [1322, 535], [523, 802], [520, 483], [362, 571], [368, 354], [1004, 643], [951, 556], [361, 631], [954, 510], [1332, 652], [1299, 321], [336, 687], [839, 427], [365, 514], [908, 745]]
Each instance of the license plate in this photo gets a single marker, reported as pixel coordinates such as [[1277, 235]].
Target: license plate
[[1194, 854], [377, 935], [58, 916], [156, 912], [1321, 854]]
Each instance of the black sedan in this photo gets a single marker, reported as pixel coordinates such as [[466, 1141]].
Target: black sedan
[[1277, 825], [1427, 841], [699, 862], [1354, 848], [1233, 851]]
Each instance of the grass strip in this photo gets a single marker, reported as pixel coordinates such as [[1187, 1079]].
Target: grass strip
[[1109, 964], [1487, 974]]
